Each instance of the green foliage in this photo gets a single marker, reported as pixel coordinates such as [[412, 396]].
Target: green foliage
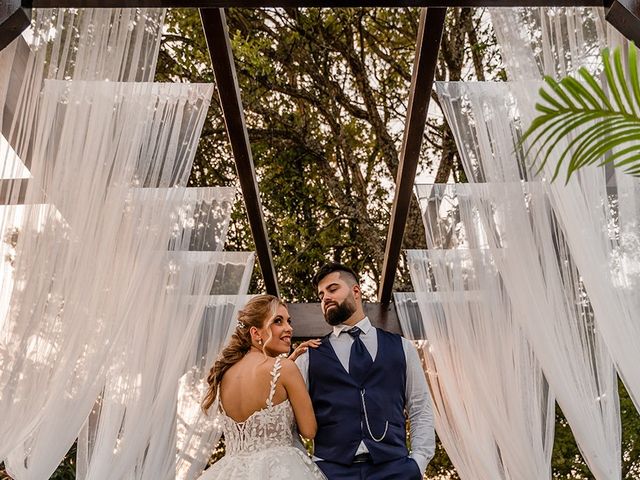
[[630, 435], [324, 93], [440, 467], [590, 122], [567, 462], [65, 471]]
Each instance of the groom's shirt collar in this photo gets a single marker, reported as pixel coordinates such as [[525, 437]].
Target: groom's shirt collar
[[364, 325]]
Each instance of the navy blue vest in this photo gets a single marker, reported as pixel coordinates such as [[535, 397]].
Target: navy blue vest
[[338, 403]]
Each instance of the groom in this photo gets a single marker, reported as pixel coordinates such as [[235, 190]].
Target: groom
[[362, 380]]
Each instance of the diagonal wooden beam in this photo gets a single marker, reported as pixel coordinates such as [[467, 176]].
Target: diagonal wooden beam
[[624, 15], [219, 44], [311, 3], [14, 192], [308, 322], [424, 68], [14, 18], [13, 65]]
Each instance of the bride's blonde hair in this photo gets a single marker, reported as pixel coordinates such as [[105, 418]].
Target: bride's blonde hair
[[255, 313]]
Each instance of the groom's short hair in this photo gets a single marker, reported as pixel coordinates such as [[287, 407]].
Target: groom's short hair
[[345, 272]]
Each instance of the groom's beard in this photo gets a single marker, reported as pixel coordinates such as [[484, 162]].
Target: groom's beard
[[341, 312]]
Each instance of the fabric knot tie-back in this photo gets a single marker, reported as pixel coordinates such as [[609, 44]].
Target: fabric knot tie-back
[[360, 360]]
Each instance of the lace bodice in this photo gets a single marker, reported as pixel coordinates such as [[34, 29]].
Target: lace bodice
[[266, 428]]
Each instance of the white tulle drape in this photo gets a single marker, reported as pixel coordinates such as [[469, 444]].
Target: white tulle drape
[[531, 253], [498, 414], [103, 258], [199, 433], [119, 45], [552, 41], [600, 225], [110, 262], [573, 234], [70, 44], [133, 431], [459, 424]]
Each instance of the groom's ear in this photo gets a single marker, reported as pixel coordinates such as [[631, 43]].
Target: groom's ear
[[357, 293]]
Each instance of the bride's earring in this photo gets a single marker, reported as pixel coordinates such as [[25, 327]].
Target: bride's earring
[[259, 341]]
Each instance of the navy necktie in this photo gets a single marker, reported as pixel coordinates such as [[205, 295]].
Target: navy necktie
[[360, 360]]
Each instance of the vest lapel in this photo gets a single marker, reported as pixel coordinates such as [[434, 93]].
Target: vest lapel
[[329, 352]]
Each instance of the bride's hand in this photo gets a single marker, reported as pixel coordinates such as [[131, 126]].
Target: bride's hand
[[303, 347]]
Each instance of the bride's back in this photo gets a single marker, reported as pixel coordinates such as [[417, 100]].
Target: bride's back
[[245, 387]]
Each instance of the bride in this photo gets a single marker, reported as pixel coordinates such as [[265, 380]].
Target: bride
[[260, 396]]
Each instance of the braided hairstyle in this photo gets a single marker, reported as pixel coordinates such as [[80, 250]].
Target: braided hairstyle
[[255, 313]]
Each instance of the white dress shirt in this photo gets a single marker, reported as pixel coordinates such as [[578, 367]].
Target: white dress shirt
[[423, 440]]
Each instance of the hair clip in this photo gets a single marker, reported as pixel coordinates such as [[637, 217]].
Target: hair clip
[[240, 325]]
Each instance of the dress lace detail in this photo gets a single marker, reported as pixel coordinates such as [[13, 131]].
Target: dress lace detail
[[261, 447], [275, 376]]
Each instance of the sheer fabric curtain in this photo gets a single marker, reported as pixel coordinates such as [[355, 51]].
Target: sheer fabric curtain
[[133, 430], [458, 422], [107, 242], [589, 208], [86, 144], [136, 425], [496, 395], [139, 419], [551, 306], [197, 432], [119, 45], [551, 41], [458, 428]]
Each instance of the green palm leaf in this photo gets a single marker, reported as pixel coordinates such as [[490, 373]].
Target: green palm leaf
[[585, 121]]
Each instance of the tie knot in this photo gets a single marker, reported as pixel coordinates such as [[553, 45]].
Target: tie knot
[[354, 332]]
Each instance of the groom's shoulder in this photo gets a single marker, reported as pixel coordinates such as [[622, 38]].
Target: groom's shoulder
[[395, 338], [382, 331], [324, 341]]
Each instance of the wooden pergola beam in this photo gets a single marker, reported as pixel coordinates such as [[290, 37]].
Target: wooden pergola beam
[[312, 3], [14, 18], [13, 64], [308, 322], [624, 15], [424, 68], [14, 192], [217, 36]]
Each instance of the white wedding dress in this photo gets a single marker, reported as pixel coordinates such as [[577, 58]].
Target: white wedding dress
[[261, 447]]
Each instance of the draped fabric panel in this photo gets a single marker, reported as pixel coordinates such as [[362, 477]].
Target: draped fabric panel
[[463, 430], [133, 430], [96, 245], [459, 428], [113, 254], [596, 210], [552, 41], [70, 44], [498, 412], [198, 432], [100, 44], [542, 280], [136, 436], [569, 236], [110, 262]]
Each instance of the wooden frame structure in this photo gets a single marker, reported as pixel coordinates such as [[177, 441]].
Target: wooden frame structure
[[622, 14]]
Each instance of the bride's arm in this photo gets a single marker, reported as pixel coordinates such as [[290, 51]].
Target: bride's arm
[[296, 389]]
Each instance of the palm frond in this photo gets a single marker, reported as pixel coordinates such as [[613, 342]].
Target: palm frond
[[586, 121]]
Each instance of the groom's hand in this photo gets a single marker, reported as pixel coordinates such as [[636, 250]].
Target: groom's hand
[[303, 347]]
